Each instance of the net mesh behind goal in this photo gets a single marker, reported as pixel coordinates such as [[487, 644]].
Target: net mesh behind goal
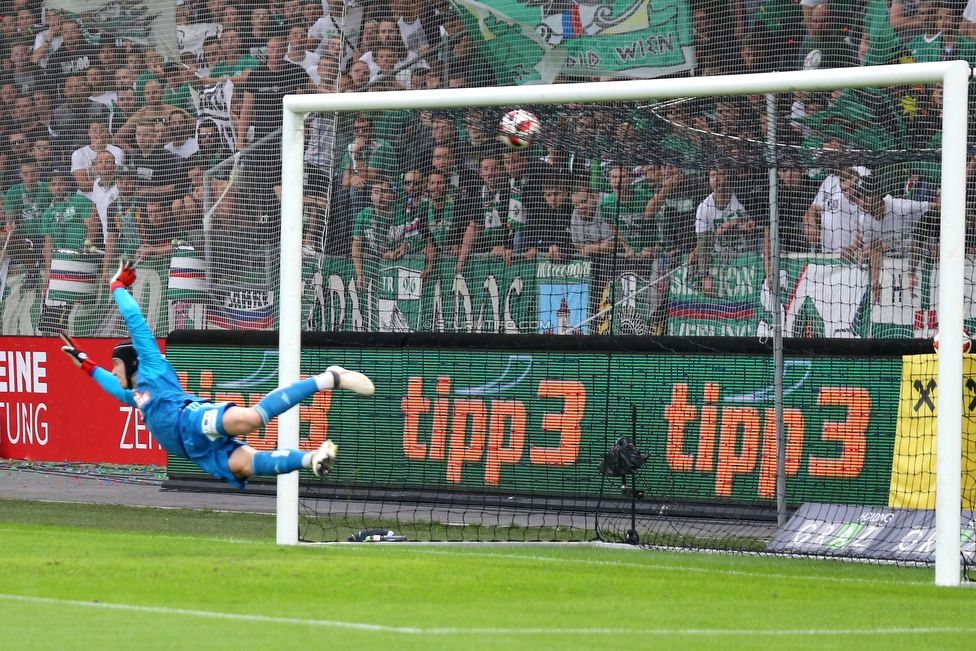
[[683, 188]]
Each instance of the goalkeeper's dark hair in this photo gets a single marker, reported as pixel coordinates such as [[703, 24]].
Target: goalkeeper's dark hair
[[125, 352]]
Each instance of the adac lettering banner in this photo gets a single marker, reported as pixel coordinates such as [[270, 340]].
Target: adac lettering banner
[[821, 296], [489, 297]]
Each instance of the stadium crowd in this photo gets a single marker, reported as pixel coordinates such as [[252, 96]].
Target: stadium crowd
[[109, 145]]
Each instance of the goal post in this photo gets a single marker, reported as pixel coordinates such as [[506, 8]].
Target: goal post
[[951, 289], [953, 75]]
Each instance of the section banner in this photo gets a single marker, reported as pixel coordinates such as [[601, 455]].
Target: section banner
[[489, 297], [821, 296]]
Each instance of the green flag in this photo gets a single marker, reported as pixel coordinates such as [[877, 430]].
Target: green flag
[[865, 117], [531, 42], [151, 23]]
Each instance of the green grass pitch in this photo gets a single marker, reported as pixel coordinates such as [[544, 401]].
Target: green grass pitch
[[99, 577]]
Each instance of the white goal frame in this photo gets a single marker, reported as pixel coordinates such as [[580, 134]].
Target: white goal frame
[[954, 75]]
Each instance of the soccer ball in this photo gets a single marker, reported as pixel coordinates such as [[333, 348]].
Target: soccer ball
[[967, 343], [519, 128]]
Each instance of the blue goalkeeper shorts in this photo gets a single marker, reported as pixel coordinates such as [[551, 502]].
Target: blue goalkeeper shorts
[[205, 441]]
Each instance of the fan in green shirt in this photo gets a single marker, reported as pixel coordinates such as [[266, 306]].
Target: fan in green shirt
[[224, 69], [154, 70], [235, 63], [65, 222], [624, 210], [880, 39], [126, 223], [24, 207], [376, 233], [176, 89], [410, 214], [366, 157], [438, 207], [941, 40], [780, 16]]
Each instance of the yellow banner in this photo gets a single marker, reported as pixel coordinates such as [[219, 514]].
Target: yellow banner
[[914, 460]]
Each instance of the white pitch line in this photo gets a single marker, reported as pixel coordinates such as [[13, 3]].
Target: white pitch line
[[379, 628], [208, 614]]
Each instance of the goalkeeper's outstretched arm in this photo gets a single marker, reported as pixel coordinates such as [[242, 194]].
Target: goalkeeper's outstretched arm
[[108, 382], [142, 337]]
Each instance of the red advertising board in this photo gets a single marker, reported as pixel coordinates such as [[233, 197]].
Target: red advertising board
[[51, 411]]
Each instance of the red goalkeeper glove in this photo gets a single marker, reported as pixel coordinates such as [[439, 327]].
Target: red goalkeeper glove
[[77, 355], [124, 277]]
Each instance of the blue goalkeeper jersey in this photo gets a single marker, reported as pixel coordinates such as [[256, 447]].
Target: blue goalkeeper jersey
[[158, 393]]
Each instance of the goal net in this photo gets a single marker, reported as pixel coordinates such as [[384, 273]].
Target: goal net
[[522, 438]]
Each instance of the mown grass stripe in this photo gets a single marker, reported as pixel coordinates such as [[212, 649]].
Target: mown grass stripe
[[379, 628], [459, 548], [671, 568]]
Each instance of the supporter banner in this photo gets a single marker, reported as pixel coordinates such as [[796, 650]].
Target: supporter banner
[[905, 535], [821, 296], [399, 293], [968, 305], [631, 304], [190, 38], [245, 300], [564, 293], [897, 299], [538, 423], [866, 117], [828, 298], [488, 297], [49, 410], [91, 313], [214, 102], [149, 290], [535, 42], [148, 22], [730, 310], [20, 311]]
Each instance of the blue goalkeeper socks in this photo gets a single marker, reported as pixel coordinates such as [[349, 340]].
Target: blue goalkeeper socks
[[279, 462], [281, 400]]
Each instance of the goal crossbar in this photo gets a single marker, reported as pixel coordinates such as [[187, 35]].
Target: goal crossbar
[[954, 75]]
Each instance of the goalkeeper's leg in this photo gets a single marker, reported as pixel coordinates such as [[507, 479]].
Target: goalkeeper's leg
[[246, 461], [238, 421]]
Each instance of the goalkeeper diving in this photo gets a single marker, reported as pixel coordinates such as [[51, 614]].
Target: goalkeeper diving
[[197, 429]]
